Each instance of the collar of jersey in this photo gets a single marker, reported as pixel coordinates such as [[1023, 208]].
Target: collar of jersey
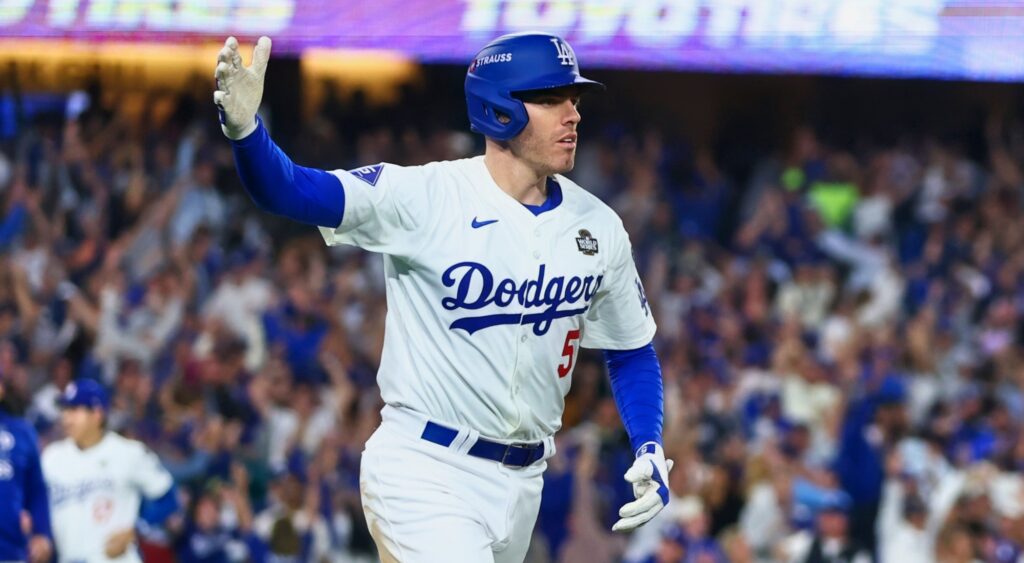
[[554, 198], [494, 192], [91, 450]]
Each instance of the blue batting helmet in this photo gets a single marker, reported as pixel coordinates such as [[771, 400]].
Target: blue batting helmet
[[514, 63]]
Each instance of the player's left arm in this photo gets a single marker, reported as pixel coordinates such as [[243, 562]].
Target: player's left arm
[[156, 485], [620, 323], [636, 383]]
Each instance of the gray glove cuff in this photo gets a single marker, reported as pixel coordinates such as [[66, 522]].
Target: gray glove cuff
[[238, 135]]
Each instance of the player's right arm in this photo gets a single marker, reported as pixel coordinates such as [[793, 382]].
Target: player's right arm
[[275, 183], [380, 208], [377, 208]]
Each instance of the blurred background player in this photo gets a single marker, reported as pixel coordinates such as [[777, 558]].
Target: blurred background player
[[97, 480], [24, 510]]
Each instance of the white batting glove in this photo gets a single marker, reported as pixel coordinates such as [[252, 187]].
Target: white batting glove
[[649, 476], [240, 88]]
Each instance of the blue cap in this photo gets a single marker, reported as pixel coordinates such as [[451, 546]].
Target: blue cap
[[819, 499], [85, 393], [835, 501], [295, 465], [241, 258]]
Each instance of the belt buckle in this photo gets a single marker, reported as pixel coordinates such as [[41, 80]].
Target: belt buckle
[[523, 445]]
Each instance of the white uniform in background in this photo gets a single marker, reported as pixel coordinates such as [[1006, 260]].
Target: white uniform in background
[[97, 492]]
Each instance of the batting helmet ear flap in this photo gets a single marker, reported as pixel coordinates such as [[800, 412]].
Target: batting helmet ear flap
[[487, 101]]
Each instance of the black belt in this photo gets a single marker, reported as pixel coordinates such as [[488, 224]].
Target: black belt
[[511, 455]]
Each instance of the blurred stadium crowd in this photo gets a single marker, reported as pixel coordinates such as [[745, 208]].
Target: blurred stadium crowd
[[839, 335]]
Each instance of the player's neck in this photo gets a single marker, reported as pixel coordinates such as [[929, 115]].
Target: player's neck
[[91, 439], [516, 178]]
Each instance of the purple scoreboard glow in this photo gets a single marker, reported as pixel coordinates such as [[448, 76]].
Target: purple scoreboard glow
[[973, 39]]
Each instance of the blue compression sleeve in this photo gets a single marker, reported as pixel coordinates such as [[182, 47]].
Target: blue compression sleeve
[[155, 511], [279, 186], [636, 386]]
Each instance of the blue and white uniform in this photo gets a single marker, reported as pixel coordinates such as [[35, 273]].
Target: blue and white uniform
[[97, 492], [488, 302], [22, 488]]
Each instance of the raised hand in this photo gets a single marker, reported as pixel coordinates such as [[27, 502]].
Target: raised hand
[[239, 87]]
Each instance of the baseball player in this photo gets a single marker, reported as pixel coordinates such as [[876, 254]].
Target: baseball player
[[22, 491], [498, 269], [97, 480]]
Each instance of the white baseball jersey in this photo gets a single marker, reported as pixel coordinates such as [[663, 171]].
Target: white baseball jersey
[[487, 302], [97, 492]]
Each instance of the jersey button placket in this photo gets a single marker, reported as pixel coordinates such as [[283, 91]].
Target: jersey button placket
[[523, 338], [536, 245]]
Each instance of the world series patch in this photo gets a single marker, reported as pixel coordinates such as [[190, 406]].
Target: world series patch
[[586, 243]]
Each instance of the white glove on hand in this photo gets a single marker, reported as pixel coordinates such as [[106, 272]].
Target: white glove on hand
[[649, 476], [240, 88]]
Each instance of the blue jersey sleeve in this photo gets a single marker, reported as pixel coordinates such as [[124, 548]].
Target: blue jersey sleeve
[[277, 185], [637, 388], [22, 488], [12, 224], [37, 502], [156, 511]]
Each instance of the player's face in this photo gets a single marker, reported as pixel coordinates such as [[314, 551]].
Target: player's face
[[832, 524], [80, 423], [207, 513], [548, 143]]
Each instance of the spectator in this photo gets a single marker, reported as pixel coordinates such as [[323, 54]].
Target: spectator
[[291, 528], [219, 525], [908, 524], [829, 541]]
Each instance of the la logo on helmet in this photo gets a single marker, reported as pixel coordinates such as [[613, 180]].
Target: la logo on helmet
[[564, 52]]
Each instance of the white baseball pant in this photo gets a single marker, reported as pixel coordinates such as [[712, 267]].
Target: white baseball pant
[[427, 503]]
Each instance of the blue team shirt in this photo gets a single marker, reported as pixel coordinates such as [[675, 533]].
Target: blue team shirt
[[21, 487]]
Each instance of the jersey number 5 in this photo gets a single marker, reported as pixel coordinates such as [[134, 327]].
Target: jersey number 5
[[568, 351]]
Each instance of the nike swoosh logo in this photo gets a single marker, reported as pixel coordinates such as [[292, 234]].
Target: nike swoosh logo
[[477, 223]]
